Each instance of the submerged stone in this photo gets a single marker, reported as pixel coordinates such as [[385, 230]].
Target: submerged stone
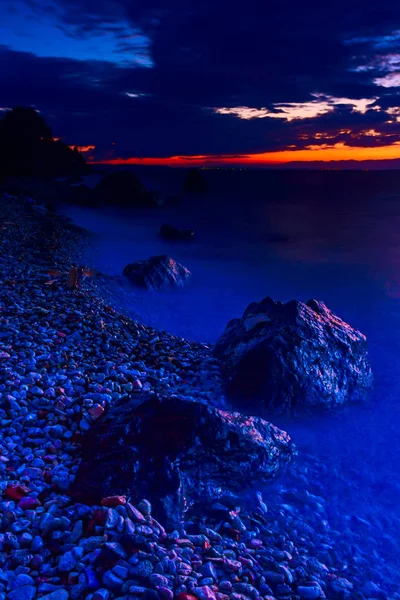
[[157, 272]]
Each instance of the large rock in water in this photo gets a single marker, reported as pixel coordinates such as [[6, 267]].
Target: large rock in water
[[195, 182], [123, 188], [294, 356], [175, 452], [157, 272]]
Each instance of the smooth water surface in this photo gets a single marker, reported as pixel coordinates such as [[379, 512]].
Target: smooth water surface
[[334, 236]]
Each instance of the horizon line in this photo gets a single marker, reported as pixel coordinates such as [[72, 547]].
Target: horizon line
[[326, 154]]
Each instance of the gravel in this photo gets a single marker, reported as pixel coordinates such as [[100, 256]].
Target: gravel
[[65, 356]]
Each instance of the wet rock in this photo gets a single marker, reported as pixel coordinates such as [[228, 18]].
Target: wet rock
[[195, 182], [157, 272], [135, 514], [294, 356], [122, 188], [174, 450], [145, 507]]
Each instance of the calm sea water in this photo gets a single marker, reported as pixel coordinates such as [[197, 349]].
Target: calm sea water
[[334, 236]]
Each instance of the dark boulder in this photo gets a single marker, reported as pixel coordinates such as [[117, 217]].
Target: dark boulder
[[195, 182], [123, 188], [175, 452], [157, 272], [171, 233], [294, 356]]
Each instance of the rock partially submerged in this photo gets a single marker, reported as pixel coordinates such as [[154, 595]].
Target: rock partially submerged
[[172, 233], [157, 272], [123, 188], [175, 452], [195, 182], [294, 356]]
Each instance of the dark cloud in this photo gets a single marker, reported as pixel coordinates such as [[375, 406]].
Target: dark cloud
[[204, 55]]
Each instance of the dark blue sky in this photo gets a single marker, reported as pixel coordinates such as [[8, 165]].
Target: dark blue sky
[[151, 78]]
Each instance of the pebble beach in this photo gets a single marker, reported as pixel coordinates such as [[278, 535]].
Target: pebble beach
[[65, 356]]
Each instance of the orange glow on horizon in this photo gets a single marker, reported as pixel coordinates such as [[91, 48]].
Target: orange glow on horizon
[[324, 152]]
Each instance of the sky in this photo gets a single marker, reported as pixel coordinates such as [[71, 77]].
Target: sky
[[210, 82]]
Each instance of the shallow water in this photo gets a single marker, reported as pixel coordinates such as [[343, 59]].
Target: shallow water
[[334, 236]]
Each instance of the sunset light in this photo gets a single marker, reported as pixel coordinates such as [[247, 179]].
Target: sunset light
[[291, 111], [199, 246], [324, 152]]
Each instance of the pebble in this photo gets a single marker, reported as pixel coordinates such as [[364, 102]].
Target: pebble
[[309, 593], [112, 582], [67, 562], [27, 592], [65, 357], [57, 595]]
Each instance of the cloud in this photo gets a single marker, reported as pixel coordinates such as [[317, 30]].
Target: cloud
[[203, 77], [388, 81], [291, 111], [48, 29]]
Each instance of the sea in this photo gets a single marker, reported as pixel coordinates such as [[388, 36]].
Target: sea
[[330, 235]]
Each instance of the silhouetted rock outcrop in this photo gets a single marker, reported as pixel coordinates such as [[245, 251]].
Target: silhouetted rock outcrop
[[157, 272], [175, 452], [171, 233], [46, 190], [27, 147], [294, 356], [123, 188], [195, 182]]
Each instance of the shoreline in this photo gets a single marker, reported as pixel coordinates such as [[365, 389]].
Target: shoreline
[[64, 352]]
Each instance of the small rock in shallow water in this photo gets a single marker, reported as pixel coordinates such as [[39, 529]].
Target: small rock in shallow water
[[157, 272], [145, 507]]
